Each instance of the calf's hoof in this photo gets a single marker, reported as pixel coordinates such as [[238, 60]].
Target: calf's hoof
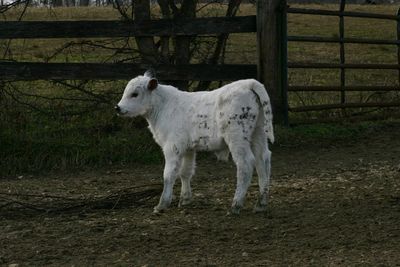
[[235, 210], [258, 208], [184, 202], [261, 205], [158, 209]]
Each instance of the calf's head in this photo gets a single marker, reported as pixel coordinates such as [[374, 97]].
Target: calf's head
[[136, 100]]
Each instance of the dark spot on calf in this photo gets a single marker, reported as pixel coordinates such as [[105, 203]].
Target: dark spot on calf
[[234, 117], [244, 116], [176, 150], [203, 125]]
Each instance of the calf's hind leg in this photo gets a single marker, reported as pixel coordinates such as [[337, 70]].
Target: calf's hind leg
[[244, 160], [262, 156], [263, 167]]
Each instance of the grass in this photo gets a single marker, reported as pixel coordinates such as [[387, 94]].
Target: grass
[[66, 128]]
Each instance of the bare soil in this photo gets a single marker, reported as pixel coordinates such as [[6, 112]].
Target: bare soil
[[332, 203]]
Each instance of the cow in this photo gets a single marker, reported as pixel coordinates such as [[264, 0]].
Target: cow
[[235, 119]]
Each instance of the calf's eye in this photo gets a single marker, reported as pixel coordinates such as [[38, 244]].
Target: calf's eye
[[134, 94]]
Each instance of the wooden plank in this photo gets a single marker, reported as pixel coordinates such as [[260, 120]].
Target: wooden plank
[[344, 105], [20, 71], [356, 88], [309, 11], [307, 65], [102, 28]]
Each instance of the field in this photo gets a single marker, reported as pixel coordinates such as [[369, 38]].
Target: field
[[78, 184], [334, 201]]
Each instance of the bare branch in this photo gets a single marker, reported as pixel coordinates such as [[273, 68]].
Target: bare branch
[[209, 3], [233, 7], [137, 195]]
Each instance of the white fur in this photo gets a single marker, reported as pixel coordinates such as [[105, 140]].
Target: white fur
[[235, 118]]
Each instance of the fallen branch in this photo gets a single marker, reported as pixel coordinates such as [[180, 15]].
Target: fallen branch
[[133, 196]]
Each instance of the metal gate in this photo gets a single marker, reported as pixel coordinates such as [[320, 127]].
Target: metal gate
[[342, 88]]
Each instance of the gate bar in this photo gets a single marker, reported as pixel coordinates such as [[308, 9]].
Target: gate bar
[[322, 12], [322, 88], [322, 39], [307, 65]]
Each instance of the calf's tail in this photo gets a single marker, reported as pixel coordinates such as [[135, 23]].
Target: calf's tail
[[262, 95]]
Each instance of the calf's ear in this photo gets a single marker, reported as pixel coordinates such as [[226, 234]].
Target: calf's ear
[[153, 83], [150, 73]]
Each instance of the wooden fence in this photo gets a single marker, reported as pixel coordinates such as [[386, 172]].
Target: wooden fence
[[342, 65], [100, 71], [264, 24], [270, 24]]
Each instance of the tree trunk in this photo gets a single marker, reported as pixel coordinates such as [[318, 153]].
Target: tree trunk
[[233, 7], [146, 45], [165, 55], [84, 2], [182, 44], [57, 3]]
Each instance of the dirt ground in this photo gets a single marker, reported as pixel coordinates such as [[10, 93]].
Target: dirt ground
[[331, 204]]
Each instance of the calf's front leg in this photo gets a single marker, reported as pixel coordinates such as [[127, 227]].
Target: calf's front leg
[[186, 172], [171, 169]]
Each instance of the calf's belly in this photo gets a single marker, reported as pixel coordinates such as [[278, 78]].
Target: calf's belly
[[208, 143]]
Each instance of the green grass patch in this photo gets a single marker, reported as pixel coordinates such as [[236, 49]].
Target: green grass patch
[[330, 133], [55, 147]]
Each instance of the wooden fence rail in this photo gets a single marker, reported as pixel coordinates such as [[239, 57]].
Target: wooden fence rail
[[25, 71], [109, 28], [17, 71]]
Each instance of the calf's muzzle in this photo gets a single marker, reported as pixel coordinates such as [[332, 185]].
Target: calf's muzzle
[[117, 109]]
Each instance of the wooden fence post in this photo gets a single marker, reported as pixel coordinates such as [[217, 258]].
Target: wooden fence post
[[342, 56], [398, 39], [269, 51]]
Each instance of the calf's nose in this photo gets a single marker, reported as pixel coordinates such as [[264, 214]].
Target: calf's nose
[[117, 109]]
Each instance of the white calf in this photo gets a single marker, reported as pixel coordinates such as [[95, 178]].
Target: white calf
[[235, 118]]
